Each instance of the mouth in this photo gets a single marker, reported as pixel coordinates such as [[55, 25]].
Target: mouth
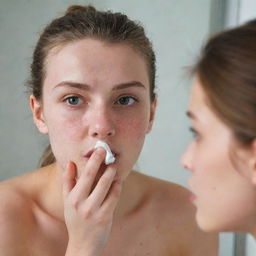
[[90, 152], [192, 197]]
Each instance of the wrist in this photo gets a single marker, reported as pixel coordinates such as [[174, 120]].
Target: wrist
[[78, 251], [81, 249]]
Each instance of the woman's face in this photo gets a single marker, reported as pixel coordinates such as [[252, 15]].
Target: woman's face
[[224, 196], [95, 91]]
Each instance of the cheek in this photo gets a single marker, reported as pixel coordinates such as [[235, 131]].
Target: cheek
[[212, 176], [221, 190], [64, 126], [229, 208], [133, 129], [135, 124], [64, 133], [131, 134], [210, 165]]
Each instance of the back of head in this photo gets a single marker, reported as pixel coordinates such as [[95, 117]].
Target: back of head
[[226, 70], [81, 22]]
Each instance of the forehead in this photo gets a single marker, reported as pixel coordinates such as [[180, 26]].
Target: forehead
[[197, 93], [199, 104], [95, 59], [90, 47], [203, 113], [198, 97]]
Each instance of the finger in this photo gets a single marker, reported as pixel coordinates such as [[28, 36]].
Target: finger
[[88, 175], [69, 178], [102, 188], [112, 199]]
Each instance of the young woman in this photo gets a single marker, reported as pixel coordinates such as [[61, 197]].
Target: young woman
[[222, 157], [92, 79]]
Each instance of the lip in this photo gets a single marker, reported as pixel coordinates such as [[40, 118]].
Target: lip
[[90, 152], [192, 197]]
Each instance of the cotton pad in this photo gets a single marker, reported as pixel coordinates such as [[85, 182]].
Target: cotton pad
[[109, 159]]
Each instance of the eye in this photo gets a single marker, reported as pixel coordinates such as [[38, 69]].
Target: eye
[[73, 100], [195, 133], [126, 100]]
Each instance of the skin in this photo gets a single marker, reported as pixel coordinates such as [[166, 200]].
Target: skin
[[223, 172], [97, 91]]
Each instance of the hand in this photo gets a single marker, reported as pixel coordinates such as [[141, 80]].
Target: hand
[[89, 211]]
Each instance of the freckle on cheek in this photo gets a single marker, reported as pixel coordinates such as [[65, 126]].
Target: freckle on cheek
[[71, 130]]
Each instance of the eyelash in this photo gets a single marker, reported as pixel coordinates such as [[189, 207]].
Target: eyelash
[[69, 97], [116, 102], [194, 132], [126, 96]]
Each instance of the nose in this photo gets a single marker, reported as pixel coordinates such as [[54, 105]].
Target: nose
[[186, 159], [101, 125]]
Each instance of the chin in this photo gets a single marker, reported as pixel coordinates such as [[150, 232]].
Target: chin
[[209, 228], [214, 225]]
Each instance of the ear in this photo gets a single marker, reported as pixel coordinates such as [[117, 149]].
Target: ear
[[253, 162], [153, 106], [37, 111]]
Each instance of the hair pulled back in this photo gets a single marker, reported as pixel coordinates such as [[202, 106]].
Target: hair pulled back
[[226, 70]]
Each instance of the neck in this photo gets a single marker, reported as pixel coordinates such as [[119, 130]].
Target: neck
[[52, 198]]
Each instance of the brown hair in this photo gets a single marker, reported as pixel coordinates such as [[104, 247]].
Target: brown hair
[[80, 22], [226, 70]]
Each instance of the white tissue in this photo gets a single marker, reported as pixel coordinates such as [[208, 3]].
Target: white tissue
[[109, 159]]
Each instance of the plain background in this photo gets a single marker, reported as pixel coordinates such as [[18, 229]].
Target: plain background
[[177, 30]]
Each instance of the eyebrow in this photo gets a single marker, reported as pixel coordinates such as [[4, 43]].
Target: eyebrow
[[87, 87]]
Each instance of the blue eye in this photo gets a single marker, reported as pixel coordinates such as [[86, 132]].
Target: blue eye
[[73, 100], [126, 100]]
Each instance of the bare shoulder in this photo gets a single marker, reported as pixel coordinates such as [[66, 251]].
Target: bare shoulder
[[16, 217], [169, 197], [175, 215]]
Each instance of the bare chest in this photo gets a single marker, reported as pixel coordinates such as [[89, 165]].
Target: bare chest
[[140, 237], [49, 241], [127, 238], [141, 233]]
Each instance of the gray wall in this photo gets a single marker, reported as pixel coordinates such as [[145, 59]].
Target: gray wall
[[177, 29]]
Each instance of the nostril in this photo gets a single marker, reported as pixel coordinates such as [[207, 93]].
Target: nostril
[[184, 164], [95, 134], [101, 131], [101, 134]]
